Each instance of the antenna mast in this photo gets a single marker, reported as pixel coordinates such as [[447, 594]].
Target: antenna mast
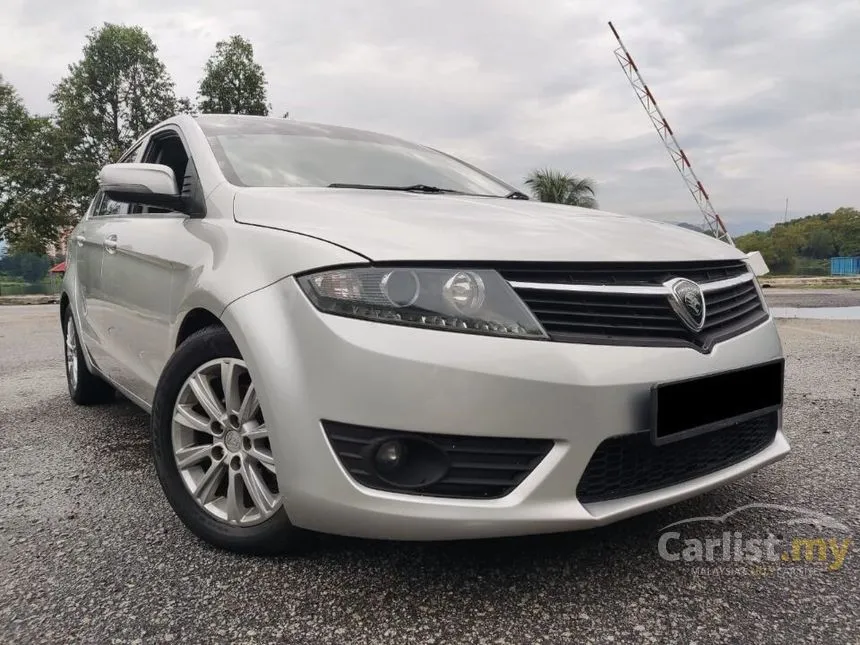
[[712, 220]]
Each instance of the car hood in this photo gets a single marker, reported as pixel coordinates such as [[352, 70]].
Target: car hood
[[387, 225]]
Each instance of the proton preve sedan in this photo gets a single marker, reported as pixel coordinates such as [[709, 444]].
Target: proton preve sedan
[[340, 331]]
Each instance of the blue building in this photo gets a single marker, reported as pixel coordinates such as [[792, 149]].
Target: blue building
[[845, 266]]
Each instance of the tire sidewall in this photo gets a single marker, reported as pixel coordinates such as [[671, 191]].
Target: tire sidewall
[[269, 536]]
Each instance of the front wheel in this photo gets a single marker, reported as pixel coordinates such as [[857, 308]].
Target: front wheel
[[212, 450]]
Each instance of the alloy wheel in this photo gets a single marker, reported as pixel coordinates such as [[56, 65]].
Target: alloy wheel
[[71, 352], [221, 444]]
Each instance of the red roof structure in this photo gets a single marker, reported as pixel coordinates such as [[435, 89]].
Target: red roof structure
[[60, 268]]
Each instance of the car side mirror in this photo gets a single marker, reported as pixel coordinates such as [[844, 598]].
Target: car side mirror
[[148, 184], [757, 264]]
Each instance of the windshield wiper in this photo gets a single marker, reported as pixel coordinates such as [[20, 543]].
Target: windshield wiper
[[516, 195], [417, 188], [424, 188]]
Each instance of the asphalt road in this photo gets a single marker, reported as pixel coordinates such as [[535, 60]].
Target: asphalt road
[[90, 551]]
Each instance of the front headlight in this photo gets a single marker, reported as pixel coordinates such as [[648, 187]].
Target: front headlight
[[472, 301]]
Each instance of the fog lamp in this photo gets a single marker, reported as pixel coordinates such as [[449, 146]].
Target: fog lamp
[[390, 455]]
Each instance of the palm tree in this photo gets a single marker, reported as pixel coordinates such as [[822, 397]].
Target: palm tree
[[557, 187]]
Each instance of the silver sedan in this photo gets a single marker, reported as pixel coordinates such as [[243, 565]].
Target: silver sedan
[[340, 331]]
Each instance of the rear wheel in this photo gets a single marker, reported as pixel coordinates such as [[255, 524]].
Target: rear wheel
[[85, 388], [212, 450]]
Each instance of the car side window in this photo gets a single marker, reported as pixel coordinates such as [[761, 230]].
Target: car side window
[[165, 148], [106, 207], [132, 155], [91, 209]]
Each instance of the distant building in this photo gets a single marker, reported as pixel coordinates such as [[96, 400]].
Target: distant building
[[61, 247]]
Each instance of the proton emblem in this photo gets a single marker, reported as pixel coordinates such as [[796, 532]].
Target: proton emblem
[[687, 302]]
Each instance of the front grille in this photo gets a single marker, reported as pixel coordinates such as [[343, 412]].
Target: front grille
[[479, 467], [620, 273], [630, 464], [640, 319]]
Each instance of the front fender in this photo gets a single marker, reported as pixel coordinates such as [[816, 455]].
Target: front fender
[[243, 260]]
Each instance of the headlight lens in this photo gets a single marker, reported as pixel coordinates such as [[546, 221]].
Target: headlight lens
[[472, 301], [465, 292]]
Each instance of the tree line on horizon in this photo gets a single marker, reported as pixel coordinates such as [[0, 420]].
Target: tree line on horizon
[[805, 245], [107, 99]]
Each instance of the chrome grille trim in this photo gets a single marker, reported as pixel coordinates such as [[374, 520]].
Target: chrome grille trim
[[634, 290], [606, 313]]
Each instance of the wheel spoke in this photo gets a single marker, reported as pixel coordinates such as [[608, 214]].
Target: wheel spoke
[[235, 504], [254, 432], [257, 489], [186, 457], [71, 354], [207, 485], [185, 416], [265, 458], [250, 405], [206, 397], [230, 373]]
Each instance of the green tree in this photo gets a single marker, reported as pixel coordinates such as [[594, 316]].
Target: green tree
[[845, 223], [185, 105], [233, 82], [14, 120], [32, 267], [34, 207], [117, 91], [13, 117], [820, 244], [557, 187]]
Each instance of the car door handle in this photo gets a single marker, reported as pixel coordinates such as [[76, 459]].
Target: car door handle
[[110, 243], [80, 239]]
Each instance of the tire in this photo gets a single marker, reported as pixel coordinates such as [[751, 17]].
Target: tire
[[206, 440], [85, 388]]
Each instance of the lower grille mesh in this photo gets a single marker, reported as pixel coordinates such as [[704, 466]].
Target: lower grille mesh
[[630, 464]]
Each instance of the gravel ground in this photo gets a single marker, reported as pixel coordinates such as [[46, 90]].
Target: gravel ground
[[813, 297], [91, 552]]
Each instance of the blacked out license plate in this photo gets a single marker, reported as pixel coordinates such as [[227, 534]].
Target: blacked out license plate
[[681, 409]]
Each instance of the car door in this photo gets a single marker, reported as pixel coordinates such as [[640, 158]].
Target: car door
[[150, 248], [93, 240], [85, 251]]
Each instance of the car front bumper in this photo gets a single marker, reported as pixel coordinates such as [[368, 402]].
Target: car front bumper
[[309, 366]]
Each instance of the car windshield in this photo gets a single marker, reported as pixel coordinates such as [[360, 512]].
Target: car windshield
[[280, 153]]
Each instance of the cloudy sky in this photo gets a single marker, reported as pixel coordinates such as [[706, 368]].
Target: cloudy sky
[[764, 95]]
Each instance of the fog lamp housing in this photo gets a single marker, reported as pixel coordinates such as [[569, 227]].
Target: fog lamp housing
[[406, 462]]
